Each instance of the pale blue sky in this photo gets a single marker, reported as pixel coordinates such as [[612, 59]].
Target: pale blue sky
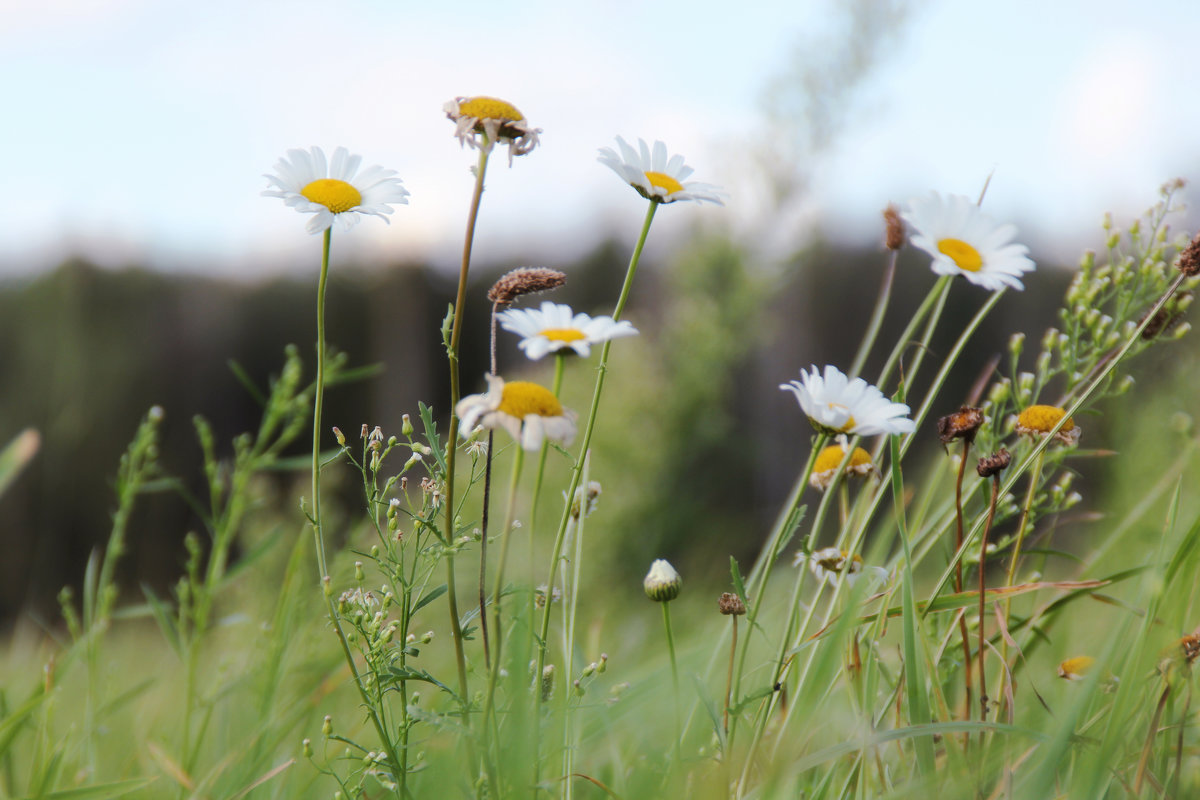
[[139, 129]]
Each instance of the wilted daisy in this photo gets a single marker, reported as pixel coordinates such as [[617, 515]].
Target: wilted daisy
[[656, 176], [483, 121], [1037, 421], [965, 241], [1075, 669], [825, 468], [835, 404], [335, 191], [832, 564], [554, 327], [531, 413]]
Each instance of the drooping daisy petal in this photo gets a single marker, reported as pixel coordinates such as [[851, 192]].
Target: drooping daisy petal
[[554, 327], [833, 564], [965, 241], [482, 121], [529, 412], [834, 404], [334, 192], [1038, 421], [657, 176]]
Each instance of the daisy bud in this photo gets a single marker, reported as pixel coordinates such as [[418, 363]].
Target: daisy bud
[[894, 228], [731, 605], [662, 582]]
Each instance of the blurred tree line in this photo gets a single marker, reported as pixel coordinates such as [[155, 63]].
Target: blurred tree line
[[697, 446]]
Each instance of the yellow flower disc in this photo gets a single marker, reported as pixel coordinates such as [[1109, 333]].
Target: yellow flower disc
[[337, 196], [490, 108], [965, 256], [563, 334], [831, 456], [522, 398], [661, 180], [1042, 419], [1075, 668]]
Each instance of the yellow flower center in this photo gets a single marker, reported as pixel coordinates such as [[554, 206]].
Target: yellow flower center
[[563, 334], [337, 196], [661, 180], [522, 398], [850, 423], [490, 108], [831, 456], [965, 256], [1042, 419], [842, 560], [1077, 666]]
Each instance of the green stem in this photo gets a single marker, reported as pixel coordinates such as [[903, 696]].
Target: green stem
[[666, 609], [452, 434], [881, 303], [506, 532], [318, 403]]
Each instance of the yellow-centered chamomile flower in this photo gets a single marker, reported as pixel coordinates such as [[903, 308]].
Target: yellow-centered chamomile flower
[[554, 327], [1074, 669], [826, 466], [965, 241], [1037, 421], [531, 413], [483, 121], [832, 564], [335, 191], [835, 404], [656, 176]]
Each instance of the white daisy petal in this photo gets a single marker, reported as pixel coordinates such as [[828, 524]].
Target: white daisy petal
[[554, 327], [481, 122], [656, 175], [834, 404], [330, 191], [964, 241]]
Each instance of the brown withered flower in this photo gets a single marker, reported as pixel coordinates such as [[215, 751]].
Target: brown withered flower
[[962, 424], [894, 231], [1164, 320], [993, 464], [730, 604], [1189, 259], [522, 281]]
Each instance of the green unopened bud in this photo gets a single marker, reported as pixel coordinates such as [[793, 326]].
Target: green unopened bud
[[341, 437], [1000, 392], [578, 689], [1107, 223], [547, 682], [358, 571], [1043, 362], [427, 637], [392, 441], [662, 582], [1181, 330], [1113, 240], [327, 726], [589, 670], [327, 586], [1124, 385], [1016, 343], [406, 426], [306, 748], [602, 664]]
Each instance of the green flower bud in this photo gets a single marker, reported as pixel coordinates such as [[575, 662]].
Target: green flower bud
[[662, 582]]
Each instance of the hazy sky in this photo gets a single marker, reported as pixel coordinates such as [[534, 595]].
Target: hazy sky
[[140, 129]]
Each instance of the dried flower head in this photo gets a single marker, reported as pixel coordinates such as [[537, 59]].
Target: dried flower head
[[1075, 669], [962, 424], [523, 281], [662, 582], [483, 121], [990, 466], [894, 228], [731, 605], [1189, 259], [1038, 421]]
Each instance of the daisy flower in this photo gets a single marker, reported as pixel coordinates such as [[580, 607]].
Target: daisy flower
[[483, 121], [1037, 421], [337, 192], [965, 241], [554, 327], [826, 467], [531, 413], [655, 176], [831, 564], [835, 404], [1075, 669]]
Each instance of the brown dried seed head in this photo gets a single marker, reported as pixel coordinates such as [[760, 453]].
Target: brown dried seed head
[[1190, 645], [1189, 259], [524, 280], [962, 424], [731, 605], [1164, 320], [993, 464], [894, 236]]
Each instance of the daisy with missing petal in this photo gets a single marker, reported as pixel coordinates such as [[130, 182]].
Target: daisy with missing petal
[[832, 564], [335, 191], [834, 404], [483, 121], [656, 176], [554, 327], [531, 413], [826, 467], [1037, 421], [965, 241]]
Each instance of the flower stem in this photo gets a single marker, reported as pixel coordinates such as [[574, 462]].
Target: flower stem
[[666, 609], [958, 581], [452, 435], [506, 532], [318, 402], [885, 293], [987, 528]]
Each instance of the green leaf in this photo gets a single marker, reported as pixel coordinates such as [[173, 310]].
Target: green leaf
[[243, 378], [429, 598], [739, 585], [100, 791], [431, 435], [166, 622]]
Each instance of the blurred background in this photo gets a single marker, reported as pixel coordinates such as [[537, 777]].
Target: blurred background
[[137, 258]]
